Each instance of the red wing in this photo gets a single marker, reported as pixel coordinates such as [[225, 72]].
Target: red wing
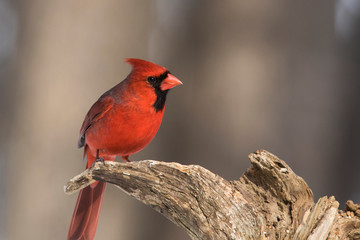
[[96, 112]]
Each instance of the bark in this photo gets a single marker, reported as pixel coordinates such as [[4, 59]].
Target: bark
[[268, 202]]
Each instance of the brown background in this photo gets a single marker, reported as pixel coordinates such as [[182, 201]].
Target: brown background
[[280, 75]]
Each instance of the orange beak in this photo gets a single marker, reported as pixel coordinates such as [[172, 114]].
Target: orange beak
[[169, 82]]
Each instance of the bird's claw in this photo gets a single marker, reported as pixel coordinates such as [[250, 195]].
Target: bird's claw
[[98, 160]]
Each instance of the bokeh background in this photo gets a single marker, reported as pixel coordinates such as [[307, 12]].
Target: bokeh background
[[279, 75]]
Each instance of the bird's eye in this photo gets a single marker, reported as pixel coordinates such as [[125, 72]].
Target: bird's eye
[[151, 79]]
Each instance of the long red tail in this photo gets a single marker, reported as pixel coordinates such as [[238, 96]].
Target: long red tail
[[87, 210], [86, 213]]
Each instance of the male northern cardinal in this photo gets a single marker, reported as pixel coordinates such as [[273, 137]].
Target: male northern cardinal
[[121, 122]]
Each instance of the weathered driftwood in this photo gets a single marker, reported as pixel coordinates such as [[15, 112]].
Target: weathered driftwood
[[268, 202]]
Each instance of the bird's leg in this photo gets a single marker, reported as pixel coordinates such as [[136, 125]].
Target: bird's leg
[[98, 159], [125, 158]]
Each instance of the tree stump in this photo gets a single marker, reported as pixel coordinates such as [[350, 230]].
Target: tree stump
[[268, 202]]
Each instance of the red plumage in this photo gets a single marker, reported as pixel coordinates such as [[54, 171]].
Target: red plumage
[[122, 122]]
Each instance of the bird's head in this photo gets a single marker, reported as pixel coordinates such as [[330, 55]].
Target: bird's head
[[152, 79]]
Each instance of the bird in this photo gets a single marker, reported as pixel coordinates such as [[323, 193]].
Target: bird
[[121, 122]]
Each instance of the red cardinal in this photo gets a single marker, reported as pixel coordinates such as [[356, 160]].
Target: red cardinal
[[122, 122]]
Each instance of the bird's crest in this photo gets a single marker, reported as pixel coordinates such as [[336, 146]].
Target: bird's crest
[[145, 66]]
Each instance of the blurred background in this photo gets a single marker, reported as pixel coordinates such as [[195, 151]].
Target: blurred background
[[279, 75]]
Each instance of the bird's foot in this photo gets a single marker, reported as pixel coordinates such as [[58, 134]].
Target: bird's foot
[[125, 158], [100, 160]]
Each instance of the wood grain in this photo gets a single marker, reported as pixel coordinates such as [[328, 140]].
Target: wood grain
[[268, 202]]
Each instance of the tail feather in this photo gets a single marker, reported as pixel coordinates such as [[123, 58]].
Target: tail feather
[[86, 213], [87, 210]]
